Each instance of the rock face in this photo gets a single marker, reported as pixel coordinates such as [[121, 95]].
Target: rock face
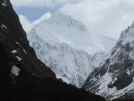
[[14, 38], [115, 78], [23, 76]]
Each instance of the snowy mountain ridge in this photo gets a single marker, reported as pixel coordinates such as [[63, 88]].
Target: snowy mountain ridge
[[115, 78]]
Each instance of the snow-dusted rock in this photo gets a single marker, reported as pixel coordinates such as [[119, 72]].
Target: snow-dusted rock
[[114, 78]]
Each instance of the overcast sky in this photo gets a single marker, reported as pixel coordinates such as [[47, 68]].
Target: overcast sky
[[42, 3], [108, 17], [33, 9]]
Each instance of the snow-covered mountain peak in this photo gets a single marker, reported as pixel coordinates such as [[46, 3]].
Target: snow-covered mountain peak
[[65, 20], [60, 42], [63, 28]]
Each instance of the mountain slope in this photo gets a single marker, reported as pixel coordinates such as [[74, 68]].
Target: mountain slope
[[65, 61], [115, 77]]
